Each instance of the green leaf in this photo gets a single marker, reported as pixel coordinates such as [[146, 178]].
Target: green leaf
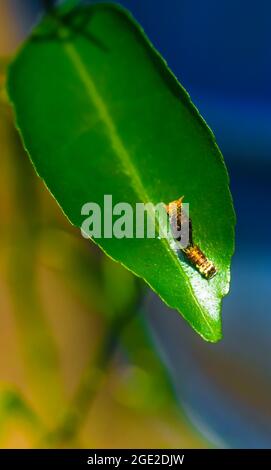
[[100, 113]]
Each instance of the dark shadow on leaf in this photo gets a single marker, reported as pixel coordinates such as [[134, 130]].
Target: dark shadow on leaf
[[76, 23]]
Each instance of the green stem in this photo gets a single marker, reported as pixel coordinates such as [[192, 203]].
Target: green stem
[[37, 341], [93, 376]]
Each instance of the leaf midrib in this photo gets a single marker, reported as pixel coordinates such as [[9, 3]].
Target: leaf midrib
[[121, 152]]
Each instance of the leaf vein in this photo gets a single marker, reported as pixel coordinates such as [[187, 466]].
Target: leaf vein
[[121, 152]]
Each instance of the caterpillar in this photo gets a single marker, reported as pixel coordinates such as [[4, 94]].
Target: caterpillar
[[192, 252]]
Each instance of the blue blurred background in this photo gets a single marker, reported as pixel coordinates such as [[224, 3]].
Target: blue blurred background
[[220, 51]]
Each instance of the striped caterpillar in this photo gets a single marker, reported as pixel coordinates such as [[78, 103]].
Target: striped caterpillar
[[193, 253]]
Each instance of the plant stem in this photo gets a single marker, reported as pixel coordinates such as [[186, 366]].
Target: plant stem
[[93, 376]]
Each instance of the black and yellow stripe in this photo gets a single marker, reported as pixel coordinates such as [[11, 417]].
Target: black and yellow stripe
[[193, 253]]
